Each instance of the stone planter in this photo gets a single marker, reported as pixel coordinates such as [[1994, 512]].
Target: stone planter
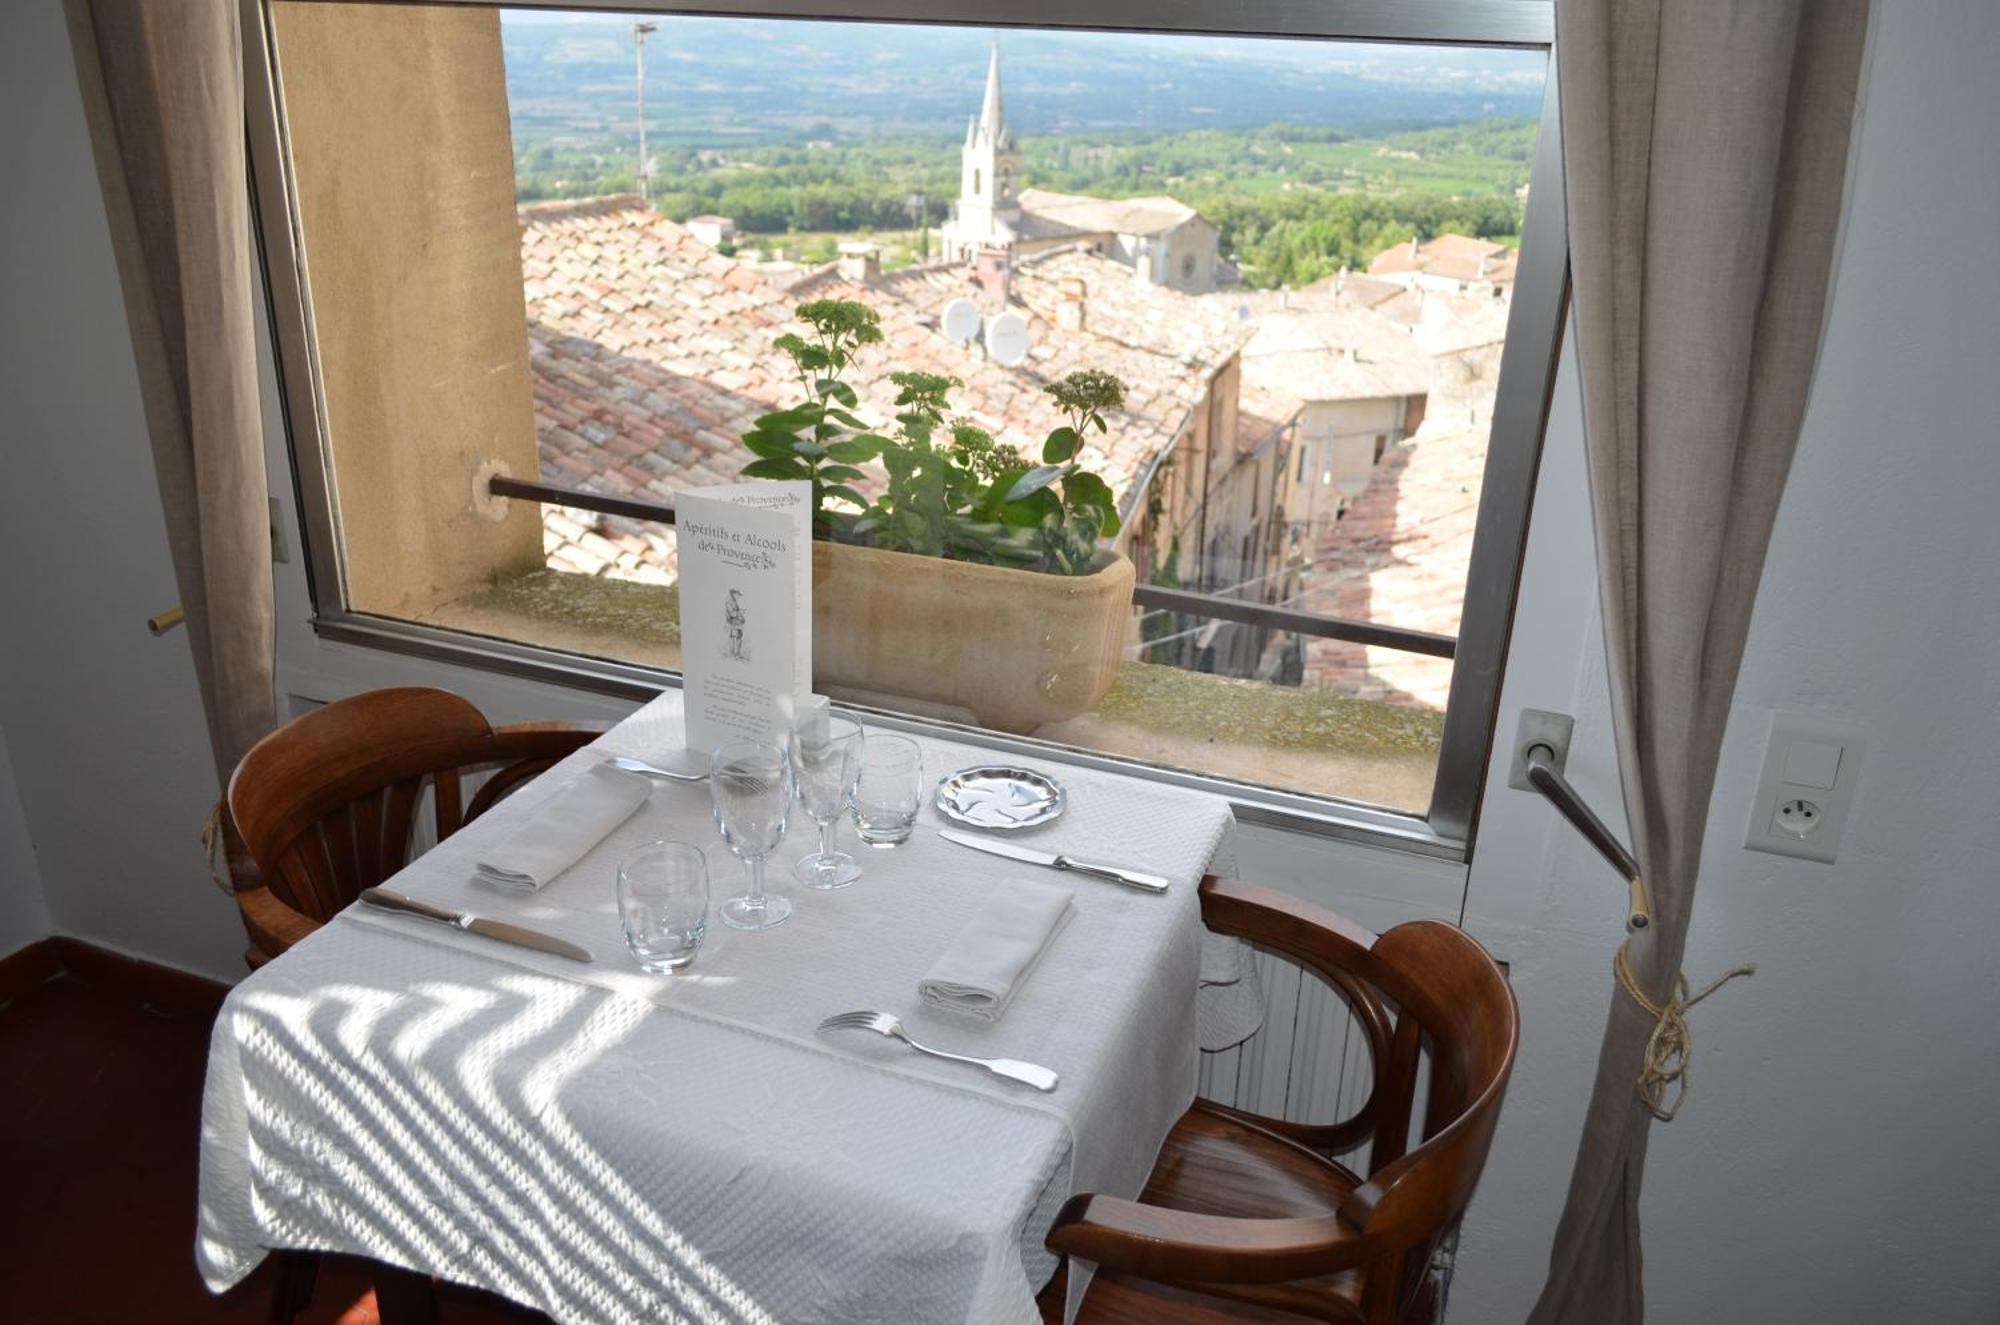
[[1017, 649]]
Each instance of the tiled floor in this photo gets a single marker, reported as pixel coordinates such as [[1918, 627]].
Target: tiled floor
[[100, 1104]]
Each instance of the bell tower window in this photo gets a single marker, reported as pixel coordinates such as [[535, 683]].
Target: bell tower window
[[975, 181]]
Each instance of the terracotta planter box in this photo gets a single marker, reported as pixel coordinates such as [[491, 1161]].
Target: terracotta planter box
[[1017, 648]]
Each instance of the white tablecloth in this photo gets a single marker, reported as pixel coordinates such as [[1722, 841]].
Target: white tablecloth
[[608, 1145]]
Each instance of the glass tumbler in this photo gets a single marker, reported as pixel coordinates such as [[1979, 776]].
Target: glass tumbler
[[663, 903], [889, 791]]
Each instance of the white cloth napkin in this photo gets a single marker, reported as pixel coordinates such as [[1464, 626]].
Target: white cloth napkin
[[563, 828], [994, 955]]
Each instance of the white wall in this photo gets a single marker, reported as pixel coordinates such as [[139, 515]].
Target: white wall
[[1836, 1161], [102, 721]]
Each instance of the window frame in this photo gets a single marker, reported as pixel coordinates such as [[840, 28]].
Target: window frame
[[1448, 828]]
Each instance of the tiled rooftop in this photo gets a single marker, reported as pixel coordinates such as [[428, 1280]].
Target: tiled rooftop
[[1118, 216], [1450, 257], [651, 353]]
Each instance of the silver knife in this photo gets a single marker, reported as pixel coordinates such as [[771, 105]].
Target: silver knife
[[386, 900], [1151, 883]]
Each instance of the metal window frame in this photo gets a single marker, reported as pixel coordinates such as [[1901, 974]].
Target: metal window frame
[[1448, 828]]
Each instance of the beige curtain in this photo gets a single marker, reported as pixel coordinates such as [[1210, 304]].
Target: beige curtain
[[1705, 148], [162, 84]]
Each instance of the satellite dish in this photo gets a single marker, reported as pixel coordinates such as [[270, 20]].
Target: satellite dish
[[961, 321], [1007, 338]]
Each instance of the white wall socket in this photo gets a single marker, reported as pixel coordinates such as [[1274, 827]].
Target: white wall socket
[[1810, 770]]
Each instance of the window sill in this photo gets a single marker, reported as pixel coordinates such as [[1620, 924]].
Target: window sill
[[623, 637]]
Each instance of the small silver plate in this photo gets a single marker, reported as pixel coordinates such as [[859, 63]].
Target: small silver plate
[[994, 796]]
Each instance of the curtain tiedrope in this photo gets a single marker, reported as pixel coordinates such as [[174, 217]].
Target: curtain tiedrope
[[215, 845], [1670, 1049]]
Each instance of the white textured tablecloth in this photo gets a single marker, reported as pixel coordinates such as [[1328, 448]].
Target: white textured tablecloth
[[608, 1145]]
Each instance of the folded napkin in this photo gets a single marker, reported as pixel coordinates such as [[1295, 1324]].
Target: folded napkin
[[993, 956], [563, 828]]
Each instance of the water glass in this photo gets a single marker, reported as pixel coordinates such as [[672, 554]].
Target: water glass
[[826, 762], [889, 790], [751, 784], [663, 903]]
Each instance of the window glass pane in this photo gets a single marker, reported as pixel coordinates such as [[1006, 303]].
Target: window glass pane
[[561, 246]]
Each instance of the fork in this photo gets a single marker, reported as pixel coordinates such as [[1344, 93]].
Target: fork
[[1028, 1074], [632, 765]]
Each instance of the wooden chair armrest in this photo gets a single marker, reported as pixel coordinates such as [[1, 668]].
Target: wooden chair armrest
[[1182, 1247], [1323, 939], [273, 927]]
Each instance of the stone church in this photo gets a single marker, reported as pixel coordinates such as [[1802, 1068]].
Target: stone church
[[1164, 241]]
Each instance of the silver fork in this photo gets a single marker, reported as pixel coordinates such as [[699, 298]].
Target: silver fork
[[632, 765], [1028, 1074]]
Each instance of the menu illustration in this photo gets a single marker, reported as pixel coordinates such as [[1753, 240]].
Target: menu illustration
[[746, 608]]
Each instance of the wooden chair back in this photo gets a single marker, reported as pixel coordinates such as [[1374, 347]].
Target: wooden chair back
[[328, 803], [1421, 991]]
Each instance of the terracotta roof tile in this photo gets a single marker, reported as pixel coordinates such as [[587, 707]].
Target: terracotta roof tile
[[651, 352]]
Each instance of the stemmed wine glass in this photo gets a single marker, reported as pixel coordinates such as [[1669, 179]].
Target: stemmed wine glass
[[751, 782], [826, 762]]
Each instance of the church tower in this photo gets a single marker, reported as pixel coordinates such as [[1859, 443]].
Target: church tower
[[989, 207]]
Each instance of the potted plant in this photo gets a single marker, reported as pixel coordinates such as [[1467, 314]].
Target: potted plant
[[972, 580]]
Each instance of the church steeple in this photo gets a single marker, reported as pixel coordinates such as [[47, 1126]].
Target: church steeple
[[992, 117], [989, 204]]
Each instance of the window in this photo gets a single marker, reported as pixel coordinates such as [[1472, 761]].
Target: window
[[509, 333]]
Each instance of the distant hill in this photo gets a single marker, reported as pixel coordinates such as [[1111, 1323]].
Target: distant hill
[[717, 83]]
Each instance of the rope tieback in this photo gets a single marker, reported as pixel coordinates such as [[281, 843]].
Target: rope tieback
[[1670, 1048], [215, 844]]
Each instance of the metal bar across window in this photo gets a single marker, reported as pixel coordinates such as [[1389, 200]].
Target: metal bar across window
[[1212, 606]]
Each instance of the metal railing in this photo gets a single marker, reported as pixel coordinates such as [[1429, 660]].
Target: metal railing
[[1212, 606]]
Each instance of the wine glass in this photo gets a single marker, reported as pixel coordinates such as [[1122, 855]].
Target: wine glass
[[751, 784], [826, 763]]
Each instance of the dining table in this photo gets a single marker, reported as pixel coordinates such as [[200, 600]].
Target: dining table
[[606, 1144]]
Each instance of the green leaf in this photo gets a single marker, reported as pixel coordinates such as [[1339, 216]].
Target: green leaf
[[1063, 443], [996, 493], [1035, 480], [846, 494], [811, 449], [841, 473], [779, 469], [771, 445], [852, 421], [867, 523], [839, 390], [856, 449], [1088, 490], [788, 420], [1034, 509]]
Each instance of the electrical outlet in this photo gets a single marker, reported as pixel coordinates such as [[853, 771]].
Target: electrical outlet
[[1810, 770]]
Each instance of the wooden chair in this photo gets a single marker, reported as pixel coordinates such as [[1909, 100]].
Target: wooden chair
[[1249, 1218], [327, 804]]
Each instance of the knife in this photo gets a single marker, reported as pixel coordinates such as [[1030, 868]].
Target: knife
[[1151, 883], [386, 900]]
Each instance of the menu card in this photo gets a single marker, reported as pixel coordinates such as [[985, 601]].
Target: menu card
[[746, 608]]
